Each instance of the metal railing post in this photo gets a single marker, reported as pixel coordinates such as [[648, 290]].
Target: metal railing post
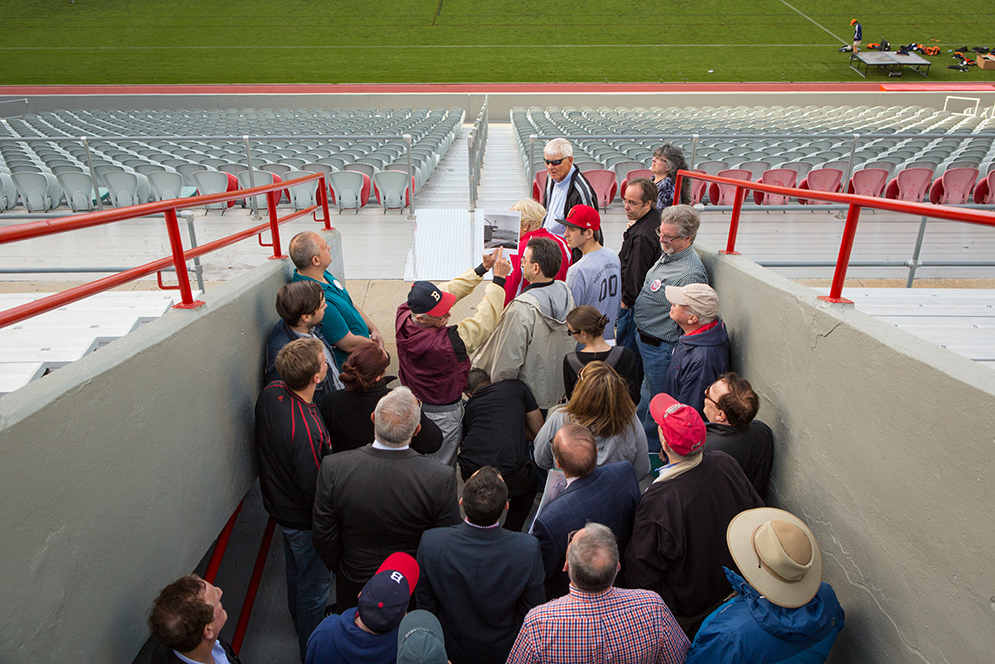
[[411, 172], [694, 149], [274, 224], [323, 202], [176, 245], [914, 263], [198, 269], [93, 173], [846, 246], [252, 179], [849, 165], [473, 167], [737, 209], [529, 175]]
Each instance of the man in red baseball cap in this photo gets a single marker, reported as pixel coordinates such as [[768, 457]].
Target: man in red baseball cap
[[368, 632], [678, 545], [596, 277]]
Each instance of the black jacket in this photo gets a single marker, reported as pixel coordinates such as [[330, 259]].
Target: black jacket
[[640, 250], [291, 441], [581, 193], [370, 503], [347, 418]]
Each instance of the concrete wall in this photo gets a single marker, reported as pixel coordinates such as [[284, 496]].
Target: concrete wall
[[119, 470], [885, 447]]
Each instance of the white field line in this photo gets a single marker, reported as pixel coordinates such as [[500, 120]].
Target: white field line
[[813, 21], [369, 46]]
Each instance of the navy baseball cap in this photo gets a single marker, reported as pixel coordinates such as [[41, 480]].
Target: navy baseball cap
[[427, 298], [385, 597]]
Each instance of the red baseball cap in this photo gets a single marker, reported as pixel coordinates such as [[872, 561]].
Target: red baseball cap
[[683, 430], [583, 217]]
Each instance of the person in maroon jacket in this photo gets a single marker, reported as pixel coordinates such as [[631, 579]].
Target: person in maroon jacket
[[434, 356], [291, 441]]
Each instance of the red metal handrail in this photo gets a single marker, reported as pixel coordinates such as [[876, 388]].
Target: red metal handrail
[[179, 257], [981, 217]]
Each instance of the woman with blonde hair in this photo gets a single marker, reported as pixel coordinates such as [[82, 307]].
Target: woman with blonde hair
[[533, 215], [602, 405]]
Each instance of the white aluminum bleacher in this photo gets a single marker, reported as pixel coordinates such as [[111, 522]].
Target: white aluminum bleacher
[[38, 345]]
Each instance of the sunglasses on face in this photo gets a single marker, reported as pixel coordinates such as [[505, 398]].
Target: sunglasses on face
[[554, 162]]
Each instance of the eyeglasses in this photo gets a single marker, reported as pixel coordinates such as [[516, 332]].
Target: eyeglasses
[[554, 162], [572, 333], [668, 238], [710, 398], [629, 202], [570, 535]]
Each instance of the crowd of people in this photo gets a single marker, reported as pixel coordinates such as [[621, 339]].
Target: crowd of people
[[588, 364]]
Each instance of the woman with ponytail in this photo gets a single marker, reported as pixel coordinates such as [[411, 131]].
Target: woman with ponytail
[[587, 326]]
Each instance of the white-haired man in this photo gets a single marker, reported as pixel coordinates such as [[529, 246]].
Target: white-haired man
[[565, 187], [379, 499]]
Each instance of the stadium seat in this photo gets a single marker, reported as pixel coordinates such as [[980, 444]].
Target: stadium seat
[[984, 191], [78, 188], [123, 187], [259, 178], [756, 168], [301, 195], [821, 179], [392, 189], [868, 182], [8, 192], [698, 188], [166, 185], [953, 187], [632, 175], [711, 167], [215, 182], [780, 177], [909, 185], [605, 186], [350, 189], [539, 185], [725, 194]]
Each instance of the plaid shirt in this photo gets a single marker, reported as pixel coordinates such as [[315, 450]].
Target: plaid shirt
[[632, 626]]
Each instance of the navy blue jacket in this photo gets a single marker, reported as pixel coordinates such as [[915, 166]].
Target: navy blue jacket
[[480, 583], [607, 496], [697, 361], [750, 628], [280, 337]]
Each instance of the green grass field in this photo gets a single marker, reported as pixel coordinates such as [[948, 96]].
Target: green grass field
[[449, 41]]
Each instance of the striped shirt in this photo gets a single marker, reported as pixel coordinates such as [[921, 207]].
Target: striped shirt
[[652, 309], [632, 626]]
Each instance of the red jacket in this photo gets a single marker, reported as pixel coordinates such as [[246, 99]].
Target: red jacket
[[513, 284]]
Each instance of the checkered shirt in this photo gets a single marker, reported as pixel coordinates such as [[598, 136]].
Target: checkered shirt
[[631, 626]]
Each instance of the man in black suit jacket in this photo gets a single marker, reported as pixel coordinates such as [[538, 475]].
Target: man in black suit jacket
[[379, 499], [478, 578], [607, 494]]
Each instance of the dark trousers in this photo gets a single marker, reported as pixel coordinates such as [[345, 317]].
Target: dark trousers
[[522, 487], [346, 592]]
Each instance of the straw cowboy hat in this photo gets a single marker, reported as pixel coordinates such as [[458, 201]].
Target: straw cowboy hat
[[777, 554]]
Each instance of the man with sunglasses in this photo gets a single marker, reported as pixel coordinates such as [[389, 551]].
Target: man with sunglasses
[[565, 187]]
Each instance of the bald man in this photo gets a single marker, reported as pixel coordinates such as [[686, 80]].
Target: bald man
[[607, 494]]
